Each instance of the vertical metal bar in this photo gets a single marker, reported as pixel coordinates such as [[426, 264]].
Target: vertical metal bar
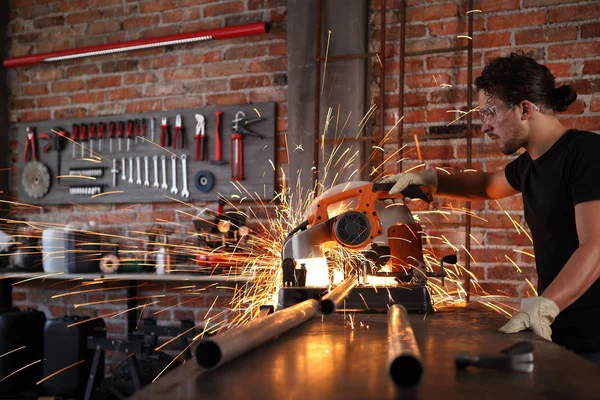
[[469, 145], [401, 80], [382, 51], [315, 177], [93, 373], [132, 316]]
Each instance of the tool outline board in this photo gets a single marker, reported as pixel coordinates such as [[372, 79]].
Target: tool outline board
[[258, 158]]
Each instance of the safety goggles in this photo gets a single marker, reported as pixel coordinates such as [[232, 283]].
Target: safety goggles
[[492, 115]]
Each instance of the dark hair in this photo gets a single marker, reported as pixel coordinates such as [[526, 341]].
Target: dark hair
[[519, 77]]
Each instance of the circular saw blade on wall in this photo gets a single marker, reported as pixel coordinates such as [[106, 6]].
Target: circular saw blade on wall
[[36, 179]]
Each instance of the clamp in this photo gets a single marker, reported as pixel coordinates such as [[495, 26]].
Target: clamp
[[238, 131], [30, 144]]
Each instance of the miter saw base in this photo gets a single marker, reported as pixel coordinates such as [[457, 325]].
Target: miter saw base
[[414, 297]]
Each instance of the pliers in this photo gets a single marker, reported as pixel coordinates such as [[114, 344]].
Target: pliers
[[200, 137], [165, 138], [178, 131], [30, 144]]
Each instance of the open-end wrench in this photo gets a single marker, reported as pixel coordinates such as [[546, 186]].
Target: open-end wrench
[[163, 161], [184, 192], [174, 174], [146, 180], [123, 176], [130, 180], [152, 129], [155, 184], [138, 164], [115, 172]]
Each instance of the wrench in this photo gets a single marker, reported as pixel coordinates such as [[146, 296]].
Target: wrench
[[146, 181], [184, 192], [174, 176], [123, 176], [130, 180], [155, 159], [139, 170], [164, 185]]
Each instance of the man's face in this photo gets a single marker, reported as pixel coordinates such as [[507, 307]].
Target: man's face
[[501, 124]]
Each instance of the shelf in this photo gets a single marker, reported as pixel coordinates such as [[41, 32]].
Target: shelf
[[128, 277]]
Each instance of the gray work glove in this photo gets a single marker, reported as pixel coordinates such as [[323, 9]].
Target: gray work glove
[[537, 313], [427, 177]]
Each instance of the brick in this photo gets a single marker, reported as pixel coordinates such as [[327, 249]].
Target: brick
[[562, 69], [237, 53], [184, 102], [172, 17], [578, 107], [219, 9], [510, 273], [119, 66], [427, 13], [206, 86], [273, 65], [144, 106], [49, 22], [590, 30], [52, 101], [498, 22], [535, 53], [488, 6], [45, 75], [68, 86], [447, 96], [511, 204], [427, 44], [69, 113], [586, 86], [103, 3], [210, 57], [225, 99], [79, 70], [103, 27], [36, 115], [508, 238], [250, 82], [87, 97], [437, 152], [31, 90], [427, 80], [119, 11], [183, 73], [160, 62], [584, 123], [73, 5], [595, 105], [158, 6], [278, 49], [234, 68], [139, 78], [487, 40], [541, 3], [591, 67], [163, 90], [453, 27], [451, 61], [119, 218], [574, 13], [15, 4], [493, 221], [266, 95], [546, 35], [104, 82], [123, 93], [141, 22], [84, 17]]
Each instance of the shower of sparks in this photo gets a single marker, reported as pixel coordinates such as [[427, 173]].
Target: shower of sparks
[[12, 351], [59, 371], [20, 369]]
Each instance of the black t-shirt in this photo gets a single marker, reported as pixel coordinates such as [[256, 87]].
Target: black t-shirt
[[565, 175]]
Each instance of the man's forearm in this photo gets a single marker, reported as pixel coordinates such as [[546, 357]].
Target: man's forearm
[[578, 274], [462, 185]]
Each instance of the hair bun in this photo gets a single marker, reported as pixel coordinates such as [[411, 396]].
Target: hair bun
[[565, 96]]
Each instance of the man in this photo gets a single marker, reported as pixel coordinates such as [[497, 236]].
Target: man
[[559, 178]]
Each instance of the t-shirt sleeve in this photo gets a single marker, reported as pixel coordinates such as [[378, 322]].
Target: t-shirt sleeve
[[583, 169], [514, 172]]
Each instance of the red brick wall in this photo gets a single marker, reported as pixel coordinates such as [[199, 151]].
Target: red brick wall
[[564, 35]]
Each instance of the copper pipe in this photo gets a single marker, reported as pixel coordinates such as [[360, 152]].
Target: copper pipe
[[330, 302], [404, 363], [213, 352]]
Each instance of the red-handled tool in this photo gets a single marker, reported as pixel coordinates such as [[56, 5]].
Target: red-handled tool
[[75, 138], [92, 135], [238, 131], [30, 144], [144, 128], [129, 133], [101, 129], [165, 139], [111, 135], [217, 160], [120, 132], [178, 131], [200, 137], [83, 138]]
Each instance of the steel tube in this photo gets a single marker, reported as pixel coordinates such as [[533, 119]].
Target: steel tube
[[330, 302], [213, 352], [404, 364], [211, 34]]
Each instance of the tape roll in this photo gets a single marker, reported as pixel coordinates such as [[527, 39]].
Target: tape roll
[[109, 264], [204, 181]]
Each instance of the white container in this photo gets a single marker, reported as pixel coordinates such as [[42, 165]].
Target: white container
[[53, 250]]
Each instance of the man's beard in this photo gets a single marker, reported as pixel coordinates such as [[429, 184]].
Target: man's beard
[[511, 145]]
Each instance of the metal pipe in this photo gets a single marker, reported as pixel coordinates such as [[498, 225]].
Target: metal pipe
[[330, 302], [216, 351], [210, 34], [404, 363]]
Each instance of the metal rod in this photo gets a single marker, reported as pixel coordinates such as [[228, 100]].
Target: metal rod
[[469, 150], [210, 34], [404, 364], [378, 156], [213, 352], [401, 76], [330, 302], [437, 51], [315, 176], [348, 56]]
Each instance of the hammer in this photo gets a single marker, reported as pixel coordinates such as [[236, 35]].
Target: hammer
[[217, 160], [516, 358]]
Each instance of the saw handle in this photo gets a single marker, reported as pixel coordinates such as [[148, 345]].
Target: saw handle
[[411, 191]]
